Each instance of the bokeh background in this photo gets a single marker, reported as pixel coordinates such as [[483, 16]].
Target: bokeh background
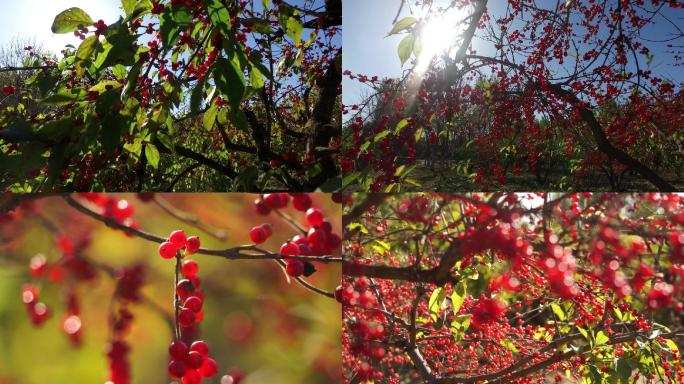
[[274, 331]]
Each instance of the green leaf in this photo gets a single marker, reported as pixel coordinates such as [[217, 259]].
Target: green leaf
[[508, 345], [291, 24], [168, 28], [111, 132], [87, 48], [128, 6], [256, 78], [624, 371], [65, 96], [350, 178], [671, 345], [142, 8], [55, 165], [458, 295], [209, 117], [121, 49], [258, 25], [584, 333], [403, 24], [196, 96], [405, 48], [219, 16], [152, 155], [601, 339], [435, 302], [459, 326], [381, 136], [71, 20], [559, 312], [419, 134], [401, 125], [229, 80]]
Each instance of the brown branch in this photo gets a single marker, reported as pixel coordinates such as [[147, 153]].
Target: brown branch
[[242, 252], [188, 218]]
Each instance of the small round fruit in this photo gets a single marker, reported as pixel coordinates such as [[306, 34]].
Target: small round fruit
[[178, 239], [190, 268], [193, 245], [314, 217], [257, 235], [186, 317], [177, 369], [193, 303], [208, 368], [194, 360], [289, 249], [294, 268], [167, 250], [178, 350], [201, 347]]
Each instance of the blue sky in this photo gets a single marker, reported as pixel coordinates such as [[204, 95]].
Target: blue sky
[[33, 18], [367, 50]]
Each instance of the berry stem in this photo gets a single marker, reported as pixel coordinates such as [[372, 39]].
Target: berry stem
[[176, 299]]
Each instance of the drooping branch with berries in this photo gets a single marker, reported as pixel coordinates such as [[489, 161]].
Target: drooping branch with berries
[[523, 95], [504, 287], [314, 243]]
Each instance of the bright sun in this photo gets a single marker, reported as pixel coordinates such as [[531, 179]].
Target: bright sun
[[440, 34]]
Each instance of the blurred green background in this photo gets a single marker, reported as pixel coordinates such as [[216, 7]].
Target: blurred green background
[[254, 320]]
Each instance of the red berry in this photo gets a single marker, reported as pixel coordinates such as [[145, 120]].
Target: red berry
[[261, 207], [208, 368], [186, 317], [276, 200], [268, 229], [8, 90], [338, 293], [201, 347], [192, 376], [194, 360], [294, 268], [257, 235], [193, 303], [193, 245], [184, 288], [289, 249], [317, 238], [38, 265], [178, 350], [178, 239], [29, 295], [190, 268], [167, 250], [177, 369], [314, 217], [301, 201]]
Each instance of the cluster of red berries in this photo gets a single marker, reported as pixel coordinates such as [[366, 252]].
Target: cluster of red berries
[[504, 239], [189, 295], [178, 241], [414, 209], [8, 90], [37, 311], [486, 311], [71, 269], [559, 266], [190, 364], [319, 239], [128, 284], [119, 210]]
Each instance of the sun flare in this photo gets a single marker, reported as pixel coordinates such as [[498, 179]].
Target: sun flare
[[439, 35]]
